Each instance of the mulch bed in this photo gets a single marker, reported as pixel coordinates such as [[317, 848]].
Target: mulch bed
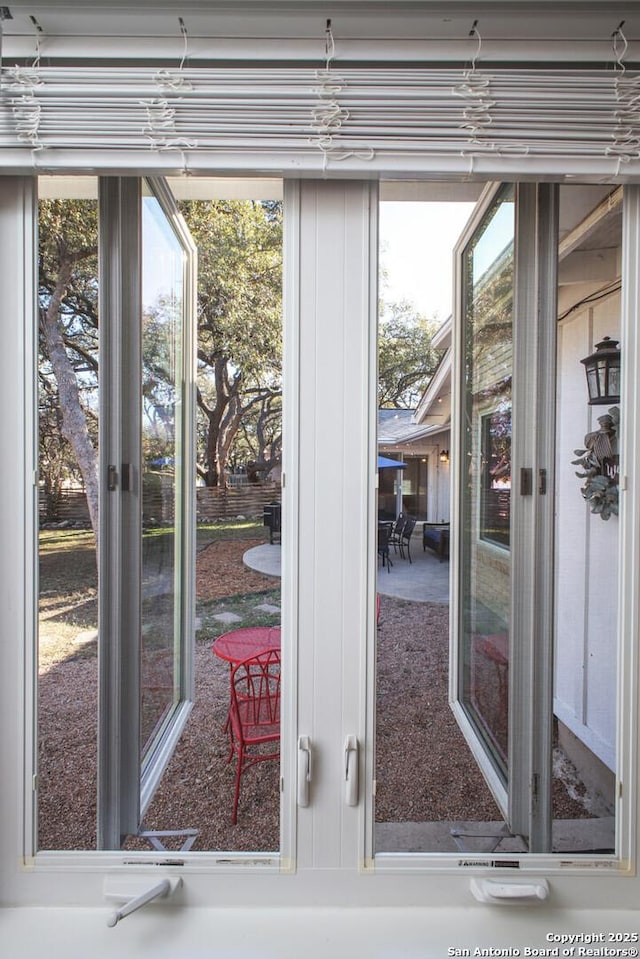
[[221, 573]]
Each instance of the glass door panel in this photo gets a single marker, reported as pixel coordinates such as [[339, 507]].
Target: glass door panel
[[485, 567]]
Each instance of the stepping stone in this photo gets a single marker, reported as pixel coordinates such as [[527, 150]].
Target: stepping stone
[[86, 636], [267, 608], [227, 618]]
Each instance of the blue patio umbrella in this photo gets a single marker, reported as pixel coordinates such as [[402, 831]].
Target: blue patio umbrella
[[385, 463]]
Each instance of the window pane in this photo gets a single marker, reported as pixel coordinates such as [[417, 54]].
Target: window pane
[[238, 494], [239, 434], [586, 526], [428, 785], [429, 793], [495, 483], [162, 401], [486, 456], [68, 382]]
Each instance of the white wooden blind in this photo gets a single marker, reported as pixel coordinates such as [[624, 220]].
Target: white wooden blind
[[337, 121]]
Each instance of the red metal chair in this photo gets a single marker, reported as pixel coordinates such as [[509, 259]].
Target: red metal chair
[[254, 714]]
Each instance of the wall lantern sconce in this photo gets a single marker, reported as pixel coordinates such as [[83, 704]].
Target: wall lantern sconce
[[444, 456], [603, 373]]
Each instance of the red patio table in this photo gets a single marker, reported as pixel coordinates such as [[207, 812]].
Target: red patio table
[[240, 644]]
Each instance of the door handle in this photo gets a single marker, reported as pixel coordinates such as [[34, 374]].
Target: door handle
[[304, 770], [351, 770]]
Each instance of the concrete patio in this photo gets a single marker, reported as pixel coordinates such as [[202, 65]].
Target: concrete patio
[[425, 580]]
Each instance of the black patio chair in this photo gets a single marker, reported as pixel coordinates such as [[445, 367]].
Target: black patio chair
[[383, 546], [396, 533], [405, 536]]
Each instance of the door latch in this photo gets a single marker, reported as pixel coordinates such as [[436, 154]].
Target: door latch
[[542, 482], [112, 478], [526, 481]]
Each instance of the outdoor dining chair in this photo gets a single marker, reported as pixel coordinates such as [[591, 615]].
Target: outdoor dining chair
[[405, 536], [383, 545], [396, 532], [254, 714]]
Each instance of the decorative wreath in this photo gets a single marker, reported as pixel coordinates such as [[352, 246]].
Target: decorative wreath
[[599, 463]]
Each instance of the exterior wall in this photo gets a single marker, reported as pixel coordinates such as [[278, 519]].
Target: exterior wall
[[438, 478], [586, 550], [439, 484], [492, 581]]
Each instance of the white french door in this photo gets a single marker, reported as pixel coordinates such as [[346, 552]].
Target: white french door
[[147, 516], [501, 675]]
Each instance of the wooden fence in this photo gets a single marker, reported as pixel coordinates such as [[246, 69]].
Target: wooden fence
[[216, 504], [70, 506], [212, 505]]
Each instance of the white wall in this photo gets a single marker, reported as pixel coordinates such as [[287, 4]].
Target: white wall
[[439, 484], [317, 933], [586, 551]]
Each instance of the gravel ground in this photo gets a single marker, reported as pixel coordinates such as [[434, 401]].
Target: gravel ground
[[424, 769]]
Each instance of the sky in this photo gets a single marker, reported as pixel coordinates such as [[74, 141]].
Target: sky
[[416, 251]]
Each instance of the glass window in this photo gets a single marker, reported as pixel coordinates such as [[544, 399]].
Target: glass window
[[168, 683], [330, 829], [69, 384], [487, 341], [162, 433], [500, 605], [495, 495]]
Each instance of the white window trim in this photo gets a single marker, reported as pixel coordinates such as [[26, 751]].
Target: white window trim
[[78, 878]]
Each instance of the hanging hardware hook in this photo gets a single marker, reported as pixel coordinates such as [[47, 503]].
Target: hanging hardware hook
[[329, 44], [620, 54], [475, 32], [185, 37], [39, 35]]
